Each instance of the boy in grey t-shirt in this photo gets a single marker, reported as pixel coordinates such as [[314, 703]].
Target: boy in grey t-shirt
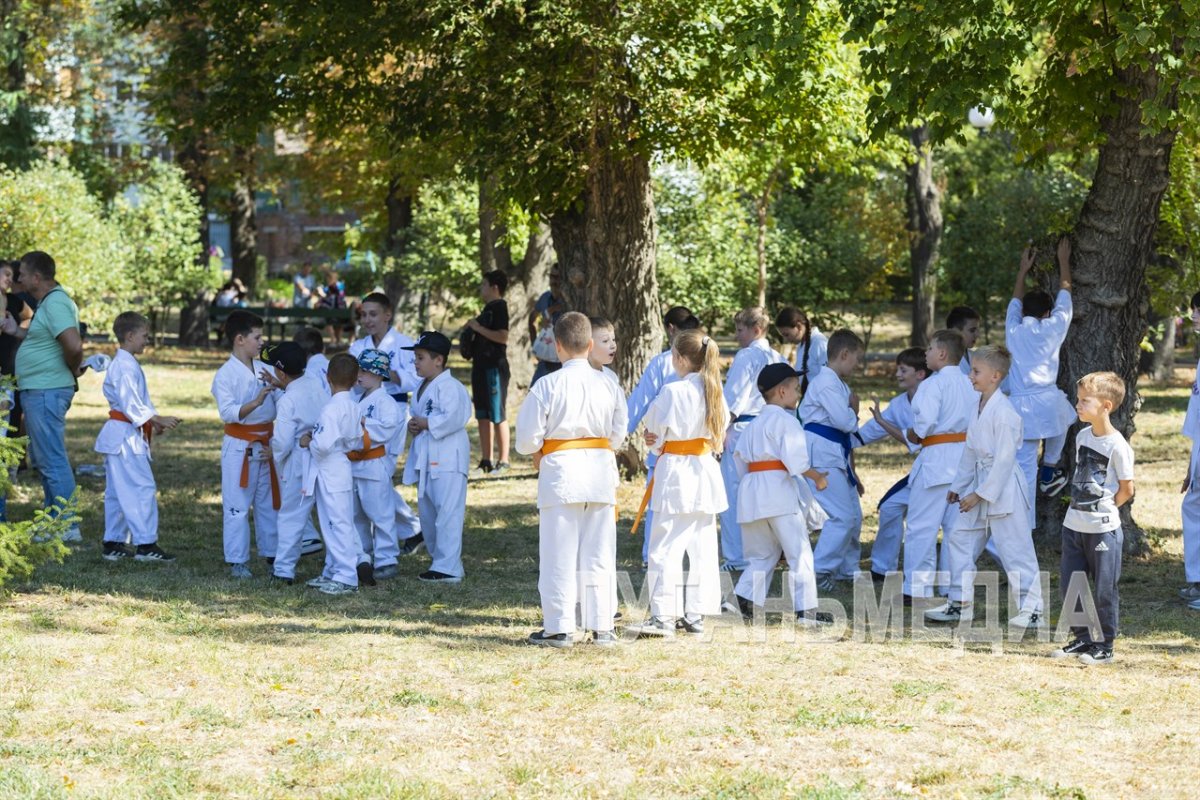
[[1102, 482]]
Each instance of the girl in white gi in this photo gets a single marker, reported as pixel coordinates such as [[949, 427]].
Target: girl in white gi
[[812, 346], [685, 425], [659, 372], [373, 465], [375, 317], [339, 430], [130, 494], [243, 389], [894, 421], [775, 504], [1191, 484], [571, 422], [943, 407], [296, 415], [830, 413], [439, 457], [744, 401], [993, 499], [1034, 332]]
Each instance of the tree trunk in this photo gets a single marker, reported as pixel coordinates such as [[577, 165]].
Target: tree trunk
[[1159, 363], [399, 204], [243, 224], [193, 317], [924, 205], [762, 206], [1113, 242]]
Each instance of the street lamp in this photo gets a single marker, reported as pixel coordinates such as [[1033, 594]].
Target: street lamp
[[982, 118]]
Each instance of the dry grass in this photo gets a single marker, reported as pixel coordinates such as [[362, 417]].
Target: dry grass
[[131, 680]]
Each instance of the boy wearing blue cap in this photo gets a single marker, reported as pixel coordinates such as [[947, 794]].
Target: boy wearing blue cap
[[373, 465], [439, 456]]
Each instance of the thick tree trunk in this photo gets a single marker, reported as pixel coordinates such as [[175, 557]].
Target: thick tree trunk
[[924, 205], [399, 204], [193, 317], [1114, 240], [1159, 363], [243, 223]]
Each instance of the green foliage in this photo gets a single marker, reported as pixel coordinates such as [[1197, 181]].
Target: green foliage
[[993, 207], [442, 257], [48, 207], [1174, 276]]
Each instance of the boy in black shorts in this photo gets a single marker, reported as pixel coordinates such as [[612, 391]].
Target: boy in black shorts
[[489, 374]]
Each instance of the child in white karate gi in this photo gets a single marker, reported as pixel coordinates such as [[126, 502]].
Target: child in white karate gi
[[966, 321], [744, 401], [130, 494], [993, 499], [812, 346], [894, 422], [244, 391], [296, 413], [604, 348], [685, 426], [830, 413], [1034, 332], [942, 409], [439, 457], [339, 430], [573, 420], [373, 465], [1191, 485], [775, 502], [658, 373]]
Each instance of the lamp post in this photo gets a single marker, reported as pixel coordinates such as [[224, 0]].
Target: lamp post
[[982, 118]]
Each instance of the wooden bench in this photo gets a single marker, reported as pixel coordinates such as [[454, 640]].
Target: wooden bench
[[278, 319]]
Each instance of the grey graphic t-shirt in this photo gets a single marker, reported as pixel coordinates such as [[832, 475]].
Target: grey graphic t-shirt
[[1101, 462]]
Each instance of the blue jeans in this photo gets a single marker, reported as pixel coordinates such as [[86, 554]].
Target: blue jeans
[[46, 424]]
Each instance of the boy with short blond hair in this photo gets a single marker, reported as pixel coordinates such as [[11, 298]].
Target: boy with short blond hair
[[571, 422], [130, 494], [1092, 538]]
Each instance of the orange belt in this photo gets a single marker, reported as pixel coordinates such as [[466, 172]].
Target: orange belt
[[766, 466], [367, 453], [594, 443], [261, 433], [943, 438], [679, 447], [147, 426]]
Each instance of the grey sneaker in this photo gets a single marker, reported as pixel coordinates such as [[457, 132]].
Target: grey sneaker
[[316, 582], [72, 535], [386, 571], [240, 571], [604, 639], [557, 640], [952, 611], [337, 588], [695, 627], [311, 546], [501, 468], [1190, 592], [659, 627]]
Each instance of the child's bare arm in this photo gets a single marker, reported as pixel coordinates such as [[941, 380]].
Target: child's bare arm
[[1064, 263], [893, 430], [818, 478], [1027, 257], [1124, 493]]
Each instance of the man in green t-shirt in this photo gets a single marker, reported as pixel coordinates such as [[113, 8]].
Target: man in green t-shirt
[[48, 362]]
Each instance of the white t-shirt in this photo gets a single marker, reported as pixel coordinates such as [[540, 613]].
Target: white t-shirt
[[1101, 462]]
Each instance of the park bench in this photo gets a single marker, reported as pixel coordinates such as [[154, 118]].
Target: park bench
[[280, 318]]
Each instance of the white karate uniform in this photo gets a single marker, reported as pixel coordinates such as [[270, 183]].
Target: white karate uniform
[[988, 467], [1191, 498], [688, 494], [744, 401], [329, 475], [374, 494], [296, 414], [659, 372], [130, 494], [437, 463], [885, 552], [777, 509], [827, 402], [965, 364], [577, 493], [318, 367], [392, 343], [944, 403], [1032, 383], [818, 355], [233, 386]]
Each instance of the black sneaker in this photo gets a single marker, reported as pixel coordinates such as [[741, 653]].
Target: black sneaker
[[1099, 654], [1075, 647], [484, 468], [412, 545], [432, 576], [744, 607], [279, 580], [543, 639], [270, 560], [366, 574], [116, 551], [693, 626], [1051, 480], [152, 552]]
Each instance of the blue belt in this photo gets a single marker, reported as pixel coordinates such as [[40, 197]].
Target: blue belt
[[837, 437], [743, 418], [898, 487]]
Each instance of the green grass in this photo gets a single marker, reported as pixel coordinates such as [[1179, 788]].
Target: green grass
[[153, 681]]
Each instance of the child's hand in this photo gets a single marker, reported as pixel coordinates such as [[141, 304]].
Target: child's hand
[[1028, 255], [1064, 250], [649, 438], [537, 461], [418, 424], [1187, 484], [875, 412], [951, 498], [862, 490], [821, 480], [305, 440], [165, 423], [267, 377], [854, 402], [968, 502]]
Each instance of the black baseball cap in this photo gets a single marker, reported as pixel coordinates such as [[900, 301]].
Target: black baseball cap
[[287, 356], [434, 342], [774, 374]]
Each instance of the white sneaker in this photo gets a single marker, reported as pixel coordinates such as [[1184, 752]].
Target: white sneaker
[[654, 626], [316, 582], [951, 611], [1028, 619], [1195, 604]]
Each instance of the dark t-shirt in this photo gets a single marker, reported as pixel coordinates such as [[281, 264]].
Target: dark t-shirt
[[487, 353], [9, 344]]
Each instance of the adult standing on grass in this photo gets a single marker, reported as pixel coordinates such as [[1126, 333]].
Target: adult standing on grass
[[304, 286], [47, 365]]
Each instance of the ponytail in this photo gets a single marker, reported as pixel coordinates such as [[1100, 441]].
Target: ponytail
[[702, 355]]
